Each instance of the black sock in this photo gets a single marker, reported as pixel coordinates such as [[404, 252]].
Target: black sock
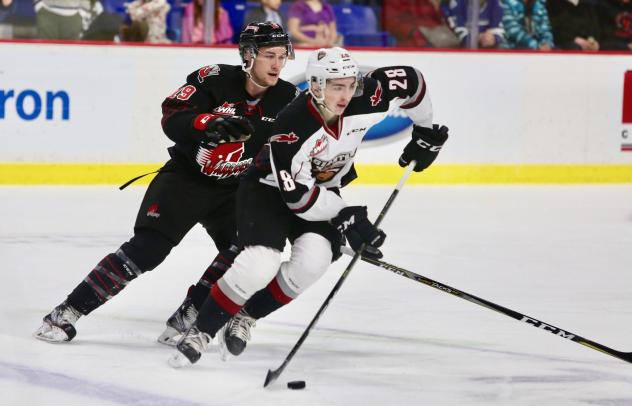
[[212, 317], [262, 303], [84, 299]]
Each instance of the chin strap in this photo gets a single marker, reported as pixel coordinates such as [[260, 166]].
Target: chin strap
[[254, 82], [322, 107], [324, 110], [247, 67]]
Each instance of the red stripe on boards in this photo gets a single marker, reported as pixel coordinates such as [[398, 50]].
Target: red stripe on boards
[[627, 98]]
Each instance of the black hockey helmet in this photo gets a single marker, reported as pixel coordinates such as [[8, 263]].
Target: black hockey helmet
[[263, 34]]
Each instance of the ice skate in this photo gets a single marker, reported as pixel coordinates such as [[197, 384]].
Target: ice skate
[[190, 348], [179, 322], [233, 337], [59, 325]]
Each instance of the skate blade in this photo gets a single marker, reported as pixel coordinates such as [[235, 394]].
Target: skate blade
[[224, 355], [178, 360], [51, 334], [222, 350], [169, 337]]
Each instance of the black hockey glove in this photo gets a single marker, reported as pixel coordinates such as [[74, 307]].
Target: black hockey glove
[[227, 129], [424, 147], [352, 221]]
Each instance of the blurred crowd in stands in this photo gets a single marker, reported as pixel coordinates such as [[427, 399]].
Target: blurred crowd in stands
[[584, 25]]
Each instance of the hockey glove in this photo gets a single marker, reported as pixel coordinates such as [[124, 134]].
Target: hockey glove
[[227, 129], [424, 147], [352, 221]]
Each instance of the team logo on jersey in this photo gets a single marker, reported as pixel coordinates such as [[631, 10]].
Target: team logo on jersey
[[226, 109], [320, 146], [376, 98], [338, 161], [152, 211], [324, 170], [211, 70], [223, 161], [287, 138]]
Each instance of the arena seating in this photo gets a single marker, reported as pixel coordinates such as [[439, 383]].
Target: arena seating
[[359, 26], [357, 23], [236, 12], [24, 13]]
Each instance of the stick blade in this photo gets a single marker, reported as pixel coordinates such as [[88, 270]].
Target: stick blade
[[625, 356], [272, 376]]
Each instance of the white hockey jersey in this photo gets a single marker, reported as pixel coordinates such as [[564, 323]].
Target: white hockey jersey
[[309, 160]]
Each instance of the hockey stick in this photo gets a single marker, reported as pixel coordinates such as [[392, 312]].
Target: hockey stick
[[625, 356], [273, 375]]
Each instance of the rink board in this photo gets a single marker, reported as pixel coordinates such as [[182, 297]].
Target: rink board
[[516, 117], [369, 174]]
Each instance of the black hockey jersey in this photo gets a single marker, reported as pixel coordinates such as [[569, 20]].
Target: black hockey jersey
[[219, 90], [308, 158]]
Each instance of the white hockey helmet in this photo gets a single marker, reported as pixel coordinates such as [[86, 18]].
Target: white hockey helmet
[[331, 63]]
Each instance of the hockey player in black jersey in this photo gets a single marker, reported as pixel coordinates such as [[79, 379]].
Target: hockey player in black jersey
[[292, 192], [218, 120]]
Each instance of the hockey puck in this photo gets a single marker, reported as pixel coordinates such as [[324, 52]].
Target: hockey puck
[[296, 384]]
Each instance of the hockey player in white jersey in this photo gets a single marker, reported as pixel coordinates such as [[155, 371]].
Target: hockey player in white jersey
[[292, 192]]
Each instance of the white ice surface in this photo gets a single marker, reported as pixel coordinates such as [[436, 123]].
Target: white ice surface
[[562, 254]]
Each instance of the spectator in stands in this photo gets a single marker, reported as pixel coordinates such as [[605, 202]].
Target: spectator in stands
[[575, 24], [136, 31], [6, 7], [313, 23], [527, 24], [6, 10], [193, 24], [89, 10], [58, 19], [418, 23], [99, 25], [267, 11], [490, 28], [616, 21], [154, 13]]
